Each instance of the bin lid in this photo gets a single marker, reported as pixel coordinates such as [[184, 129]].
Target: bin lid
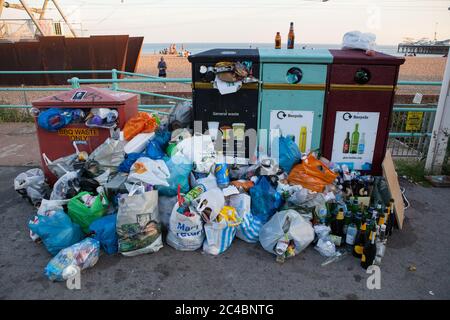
[[225, 54], [296, 55], [352, 56], [86, 96]]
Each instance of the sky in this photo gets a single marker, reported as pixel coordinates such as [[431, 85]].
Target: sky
[[255, 21]]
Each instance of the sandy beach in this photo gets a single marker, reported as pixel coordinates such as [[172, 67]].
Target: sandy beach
[[415, 68]]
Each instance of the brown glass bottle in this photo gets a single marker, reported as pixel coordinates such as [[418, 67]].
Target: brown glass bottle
[[278, 41], [291, 36]]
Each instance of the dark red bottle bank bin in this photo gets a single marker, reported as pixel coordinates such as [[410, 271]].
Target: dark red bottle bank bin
[[359, 105], [59, 144]]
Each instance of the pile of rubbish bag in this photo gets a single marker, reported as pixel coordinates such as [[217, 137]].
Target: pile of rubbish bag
[[157, 187]]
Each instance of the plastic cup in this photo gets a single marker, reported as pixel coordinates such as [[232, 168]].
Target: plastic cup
[[239, 131], [213, 127]]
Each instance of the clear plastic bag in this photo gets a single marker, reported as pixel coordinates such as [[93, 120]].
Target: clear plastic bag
[[83, 254], [31, 184], [290, 224], [359, 40]]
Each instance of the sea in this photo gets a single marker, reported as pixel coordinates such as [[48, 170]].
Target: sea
[[194, 48]]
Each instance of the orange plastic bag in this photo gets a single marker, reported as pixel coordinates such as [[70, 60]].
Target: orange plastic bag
[[312, 174], [142, 123]]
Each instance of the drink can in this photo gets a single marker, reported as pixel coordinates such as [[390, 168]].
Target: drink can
[[194, 193], [222, 176]]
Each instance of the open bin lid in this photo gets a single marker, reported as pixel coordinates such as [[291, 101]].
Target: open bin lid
[[226, 54], [352, 56], [86, 96], [322, 56]]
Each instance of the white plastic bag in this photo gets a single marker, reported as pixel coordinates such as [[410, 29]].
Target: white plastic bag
[[62, 165], [296, 229], [210, 181], [109, 154], [185, 232], [64, 187], [197, 149], [154, 172], [248, 230], [138, 225], [219, 236], [31, 184], [210, 201], [359, 40]]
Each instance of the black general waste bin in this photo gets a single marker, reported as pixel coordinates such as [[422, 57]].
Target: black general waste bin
[[238, 110]]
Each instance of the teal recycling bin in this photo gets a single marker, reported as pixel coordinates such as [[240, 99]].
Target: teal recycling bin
[[292, 97]]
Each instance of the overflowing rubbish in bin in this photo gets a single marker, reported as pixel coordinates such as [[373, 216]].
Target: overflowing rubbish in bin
[[134, 203]]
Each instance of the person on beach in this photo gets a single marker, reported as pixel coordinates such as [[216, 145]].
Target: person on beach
[[162, 67]]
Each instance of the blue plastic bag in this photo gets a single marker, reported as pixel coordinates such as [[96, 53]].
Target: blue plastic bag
[[54, 118], [154, 150], [179, 175], [265, 200], [162, 137], [129, 160], [157, 145], [104, 230], [57, 231], [289, 153]]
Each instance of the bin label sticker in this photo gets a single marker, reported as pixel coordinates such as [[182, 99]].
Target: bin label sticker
[[78, 134], [414, 121], [355, 134], [295, 123]]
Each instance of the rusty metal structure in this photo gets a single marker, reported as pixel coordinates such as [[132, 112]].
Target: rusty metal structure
[[39, 43]]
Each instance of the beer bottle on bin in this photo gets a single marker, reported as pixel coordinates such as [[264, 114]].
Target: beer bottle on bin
[[278, 41], [290, 41]]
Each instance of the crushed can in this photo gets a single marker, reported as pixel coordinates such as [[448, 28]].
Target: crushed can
[[222, 175]]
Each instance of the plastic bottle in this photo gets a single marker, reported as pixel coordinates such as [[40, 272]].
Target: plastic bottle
[[321, 212], [380, 244], [351, 234]]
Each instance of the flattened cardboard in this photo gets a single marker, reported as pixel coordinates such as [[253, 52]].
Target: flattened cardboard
[[391, 177]]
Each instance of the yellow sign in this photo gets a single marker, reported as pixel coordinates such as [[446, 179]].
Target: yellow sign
[[414, 121], [78, 134]]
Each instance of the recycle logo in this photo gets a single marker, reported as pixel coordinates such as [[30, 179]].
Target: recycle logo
[[281, 115]]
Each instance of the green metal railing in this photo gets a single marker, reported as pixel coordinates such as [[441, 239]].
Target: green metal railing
[[408, 139], [403, 141]]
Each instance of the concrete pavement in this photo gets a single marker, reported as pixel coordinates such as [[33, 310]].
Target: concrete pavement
[[245, 271]]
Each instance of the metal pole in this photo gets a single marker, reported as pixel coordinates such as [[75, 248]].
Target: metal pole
[[27, 9], [64, 17], [44, 8], [441, 128], [114, 84]]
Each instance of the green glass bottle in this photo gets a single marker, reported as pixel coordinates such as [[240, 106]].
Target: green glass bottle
[[355, 140]]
